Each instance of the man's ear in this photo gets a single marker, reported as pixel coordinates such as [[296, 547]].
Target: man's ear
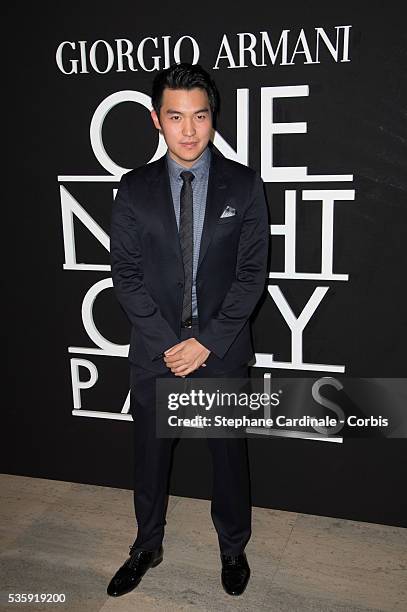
[[155, 119]]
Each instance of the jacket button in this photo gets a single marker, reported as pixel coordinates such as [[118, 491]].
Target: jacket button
[[179, 284]]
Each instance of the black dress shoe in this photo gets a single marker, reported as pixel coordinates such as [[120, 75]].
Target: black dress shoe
[[235, 573], [131, 572]]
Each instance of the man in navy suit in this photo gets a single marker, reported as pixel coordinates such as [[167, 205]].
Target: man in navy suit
[[189, 247]]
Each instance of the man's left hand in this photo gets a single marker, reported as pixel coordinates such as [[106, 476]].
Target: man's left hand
[[185, 357]]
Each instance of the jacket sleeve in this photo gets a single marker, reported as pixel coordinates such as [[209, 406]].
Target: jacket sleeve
[[249, 283], [127, 274]]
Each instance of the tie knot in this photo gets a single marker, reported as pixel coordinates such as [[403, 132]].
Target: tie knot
[[187, 176]]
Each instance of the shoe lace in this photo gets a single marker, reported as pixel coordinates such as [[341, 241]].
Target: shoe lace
[[231, 560], [135, 556]]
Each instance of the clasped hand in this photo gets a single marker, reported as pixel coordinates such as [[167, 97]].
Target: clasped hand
[[185, 357]]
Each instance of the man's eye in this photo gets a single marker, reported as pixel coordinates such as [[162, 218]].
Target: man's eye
[[201, 117], [175, 117]]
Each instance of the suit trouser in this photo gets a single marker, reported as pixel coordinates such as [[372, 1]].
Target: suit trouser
[[231, 504]]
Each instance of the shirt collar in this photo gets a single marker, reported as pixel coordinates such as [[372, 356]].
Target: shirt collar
[[200, 167]]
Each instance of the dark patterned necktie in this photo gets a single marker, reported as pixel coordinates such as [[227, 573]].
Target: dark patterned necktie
[[186, 240]]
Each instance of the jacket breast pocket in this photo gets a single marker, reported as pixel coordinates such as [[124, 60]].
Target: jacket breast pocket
[[227, 228], [225, 220]]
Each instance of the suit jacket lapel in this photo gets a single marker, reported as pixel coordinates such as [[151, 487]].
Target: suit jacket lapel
[[160, 189], [215, 202], [162, 201]]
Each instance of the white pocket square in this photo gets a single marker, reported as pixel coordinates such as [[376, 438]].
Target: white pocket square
[[228, 212]]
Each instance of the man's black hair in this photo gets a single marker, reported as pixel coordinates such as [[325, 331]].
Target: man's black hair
[[184, 76]]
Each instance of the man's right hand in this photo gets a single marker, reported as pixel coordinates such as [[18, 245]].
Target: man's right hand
[[186, 357]]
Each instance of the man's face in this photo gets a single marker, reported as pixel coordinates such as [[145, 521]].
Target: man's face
[[186, 123]]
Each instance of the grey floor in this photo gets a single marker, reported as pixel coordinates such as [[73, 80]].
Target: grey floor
[[60, 537]]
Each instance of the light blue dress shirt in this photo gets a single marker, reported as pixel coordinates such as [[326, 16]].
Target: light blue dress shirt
[[199, 189]]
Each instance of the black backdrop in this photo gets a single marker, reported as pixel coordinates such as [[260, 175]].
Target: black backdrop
[[355, 114]]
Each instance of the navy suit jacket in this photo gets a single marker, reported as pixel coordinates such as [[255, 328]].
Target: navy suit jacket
[[147, 268]]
